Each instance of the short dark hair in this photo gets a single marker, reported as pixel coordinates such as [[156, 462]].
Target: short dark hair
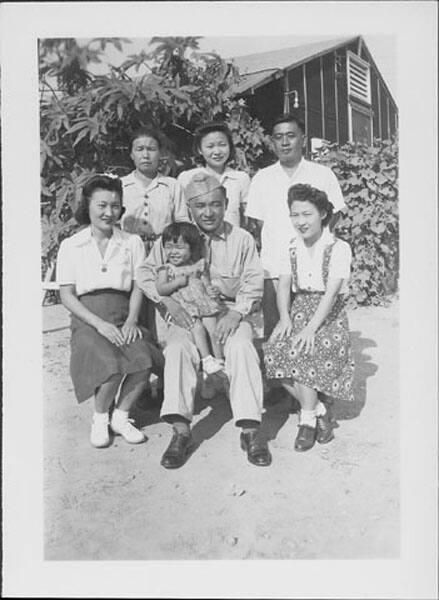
[[188, 233], [213, 127], [112, 183], [303, 192], [147, 131], [289, 118]]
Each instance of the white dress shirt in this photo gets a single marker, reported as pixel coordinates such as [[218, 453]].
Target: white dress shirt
[[80, 262], [267, 201], [309, 263], [236, 184]]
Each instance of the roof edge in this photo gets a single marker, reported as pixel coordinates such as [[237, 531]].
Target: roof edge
[[301, 62]]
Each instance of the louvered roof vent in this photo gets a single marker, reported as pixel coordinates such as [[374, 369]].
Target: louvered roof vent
[[358, 78]]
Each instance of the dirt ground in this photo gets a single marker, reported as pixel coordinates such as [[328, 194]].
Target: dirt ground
[[336, 501]]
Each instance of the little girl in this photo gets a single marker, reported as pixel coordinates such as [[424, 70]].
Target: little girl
[[184, 277], [151, 200], [309, 349], [213, 145]]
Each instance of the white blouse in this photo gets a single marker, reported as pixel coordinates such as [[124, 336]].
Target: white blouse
[[309, 263], [236, 184], [80, 262], [152, 206]]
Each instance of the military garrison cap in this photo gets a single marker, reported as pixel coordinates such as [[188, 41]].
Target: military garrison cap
[[201, 184]]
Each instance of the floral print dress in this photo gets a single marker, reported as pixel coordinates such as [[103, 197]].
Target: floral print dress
[[330, 369]]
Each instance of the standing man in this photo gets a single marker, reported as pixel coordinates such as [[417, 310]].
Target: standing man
[[267, 202], [235, 269]]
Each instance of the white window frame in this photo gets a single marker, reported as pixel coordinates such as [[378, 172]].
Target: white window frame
[[354, 59]]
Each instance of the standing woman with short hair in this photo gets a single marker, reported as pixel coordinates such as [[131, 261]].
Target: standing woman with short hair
[[213, 145], [151, 200], [110, 352]]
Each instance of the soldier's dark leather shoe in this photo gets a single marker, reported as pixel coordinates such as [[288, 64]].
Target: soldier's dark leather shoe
[[325, 427], [177, 452], [305, 439], [257, 448]]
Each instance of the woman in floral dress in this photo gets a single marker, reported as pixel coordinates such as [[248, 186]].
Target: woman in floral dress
[[309, 349]]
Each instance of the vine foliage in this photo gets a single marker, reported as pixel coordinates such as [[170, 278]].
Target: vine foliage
[[369, 180]]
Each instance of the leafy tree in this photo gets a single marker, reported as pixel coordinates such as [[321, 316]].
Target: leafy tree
[[86, 119]]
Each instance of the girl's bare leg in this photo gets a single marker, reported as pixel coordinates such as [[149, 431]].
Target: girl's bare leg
[[210, 325], [200, 337]]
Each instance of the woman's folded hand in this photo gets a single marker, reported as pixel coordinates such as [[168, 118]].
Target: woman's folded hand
[[131, 332], [111, 332]]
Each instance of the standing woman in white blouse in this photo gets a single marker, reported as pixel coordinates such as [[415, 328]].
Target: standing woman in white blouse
[[109, 350], [309, 349], [213, 146]]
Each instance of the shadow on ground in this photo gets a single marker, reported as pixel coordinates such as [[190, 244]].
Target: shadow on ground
[[364, 369], [279, 405]]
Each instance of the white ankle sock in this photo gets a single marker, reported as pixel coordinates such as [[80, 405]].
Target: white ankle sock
[[100, 417], [120, 415], [320, 409], [308, 417]]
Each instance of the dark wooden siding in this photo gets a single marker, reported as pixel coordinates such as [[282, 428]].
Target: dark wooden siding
[[267, 103], [384, 120], [393, 124], [342, 94], [295, 82], [313, 92], [375, 105], [353, 47], [364, 54], [330, 132]]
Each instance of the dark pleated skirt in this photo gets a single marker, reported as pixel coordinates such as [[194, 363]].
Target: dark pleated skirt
[[94, 359]]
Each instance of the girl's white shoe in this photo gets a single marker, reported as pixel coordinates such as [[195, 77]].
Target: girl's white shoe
[[99, 436], [121, 425]]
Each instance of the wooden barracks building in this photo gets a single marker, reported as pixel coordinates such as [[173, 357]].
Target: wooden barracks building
[[334, 86]]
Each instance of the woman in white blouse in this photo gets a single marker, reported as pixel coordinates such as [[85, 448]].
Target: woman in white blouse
[[309, 349], [109, 350], [213, 146]]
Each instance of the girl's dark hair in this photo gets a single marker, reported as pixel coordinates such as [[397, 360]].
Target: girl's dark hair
[[213, 127], [151, 132], [96, 182], [303, 192], [188, 233]]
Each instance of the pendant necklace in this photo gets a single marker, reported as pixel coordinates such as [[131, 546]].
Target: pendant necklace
[[104, 266]]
